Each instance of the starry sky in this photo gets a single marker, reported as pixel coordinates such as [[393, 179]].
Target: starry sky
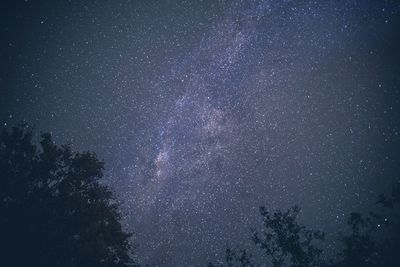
[[205, 110]]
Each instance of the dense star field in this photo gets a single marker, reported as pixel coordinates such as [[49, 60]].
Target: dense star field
[[205, 110]]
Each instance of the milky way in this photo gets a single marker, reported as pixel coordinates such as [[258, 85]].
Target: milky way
[[246, 126], [205, 111]]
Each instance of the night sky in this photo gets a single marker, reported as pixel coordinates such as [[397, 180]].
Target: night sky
[[205, 110]]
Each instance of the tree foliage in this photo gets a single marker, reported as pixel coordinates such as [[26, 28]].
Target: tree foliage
[[373, 240], [54, 211], [235, 258], [284, 241], [287, 242], [359, 247]]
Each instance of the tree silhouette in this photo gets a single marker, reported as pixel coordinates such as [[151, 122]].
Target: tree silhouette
[[360, 248], [374, 240], [54, 211], [390, 249], [234, 258], [371, 240], [285, 241]]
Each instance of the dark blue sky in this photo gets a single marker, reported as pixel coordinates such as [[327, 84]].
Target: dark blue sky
[[205, 110]]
